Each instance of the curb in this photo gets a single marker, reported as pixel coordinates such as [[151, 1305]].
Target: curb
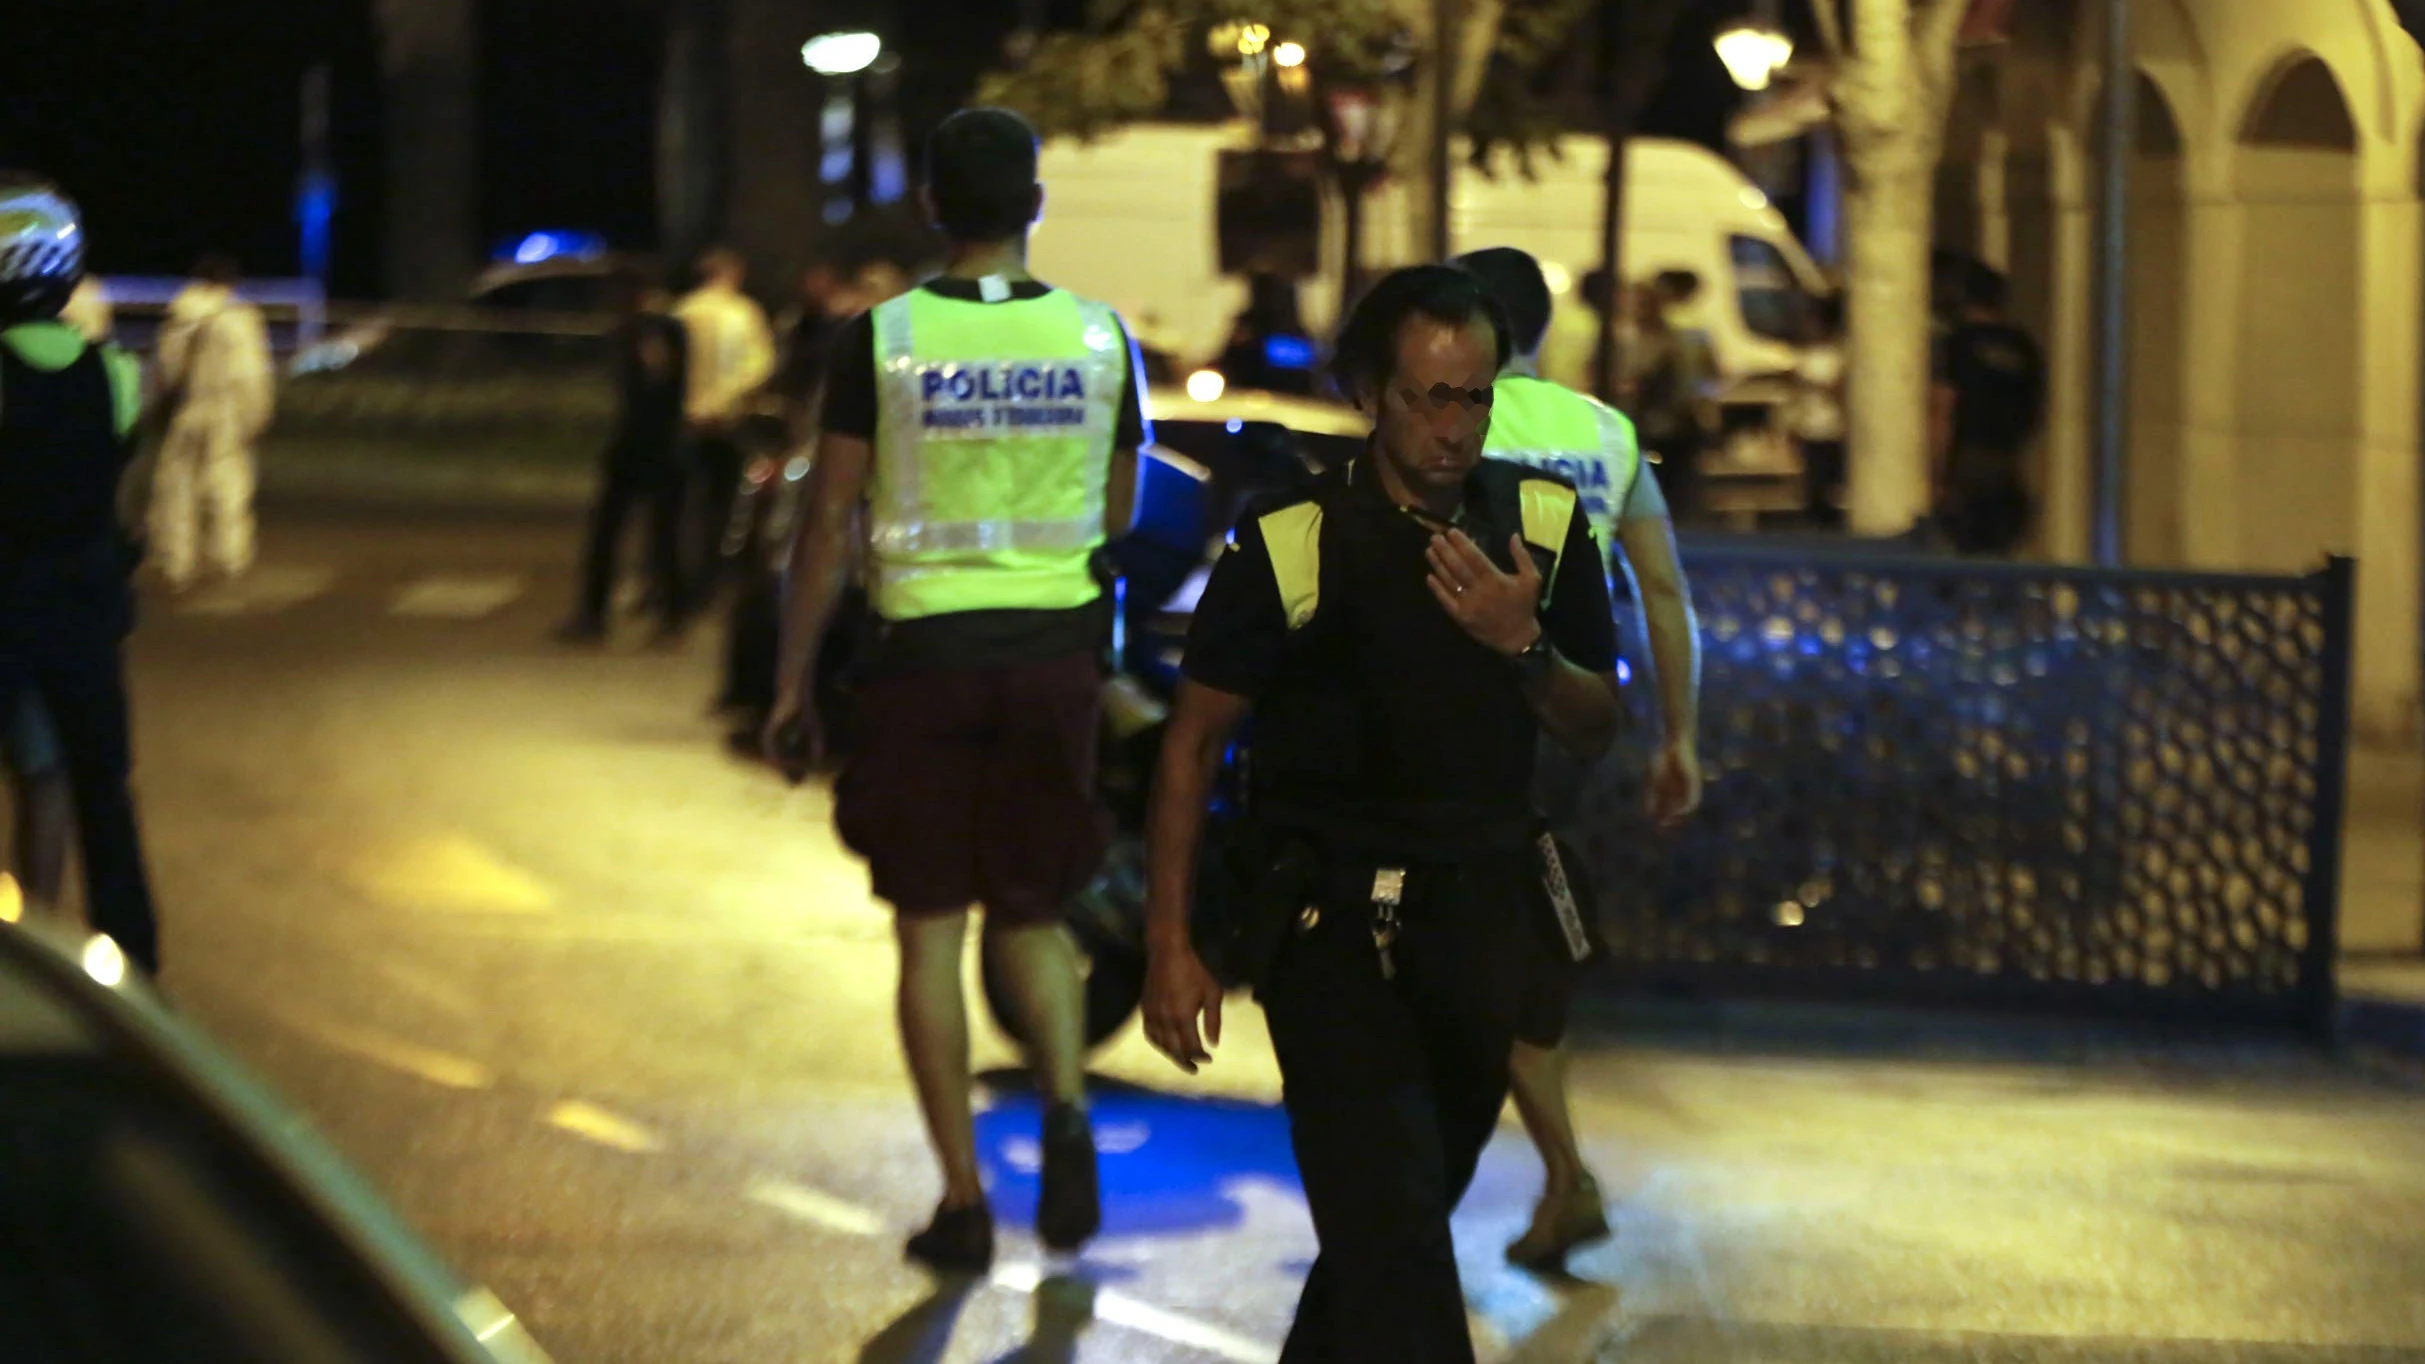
[[2381, 1024]]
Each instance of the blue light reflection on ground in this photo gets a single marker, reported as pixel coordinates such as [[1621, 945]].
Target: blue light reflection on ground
[[1166, 1160]]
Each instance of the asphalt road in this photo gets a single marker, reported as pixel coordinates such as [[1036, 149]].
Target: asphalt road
[[606, 1014]]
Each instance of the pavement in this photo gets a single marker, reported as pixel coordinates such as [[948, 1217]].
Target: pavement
[[606, 1014], [2382, 970]]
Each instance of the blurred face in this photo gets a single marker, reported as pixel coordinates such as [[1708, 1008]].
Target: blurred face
[[1434, 409]]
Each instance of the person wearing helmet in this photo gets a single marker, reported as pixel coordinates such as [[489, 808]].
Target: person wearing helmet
[[215, 364], [68, 410]]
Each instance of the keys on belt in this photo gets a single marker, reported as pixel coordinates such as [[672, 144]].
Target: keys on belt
[[1388, 892]]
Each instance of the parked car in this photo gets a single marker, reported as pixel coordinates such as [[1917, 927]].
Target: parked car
[[164, 1206]]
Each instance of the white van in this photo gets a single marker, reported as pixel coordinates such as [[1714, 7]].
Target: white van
[[1129, 219]]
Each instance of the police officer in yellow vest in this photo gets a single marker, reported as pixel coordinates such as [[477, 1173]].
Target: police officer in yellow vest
[[68, 410], [990, 424], [1547, 426]]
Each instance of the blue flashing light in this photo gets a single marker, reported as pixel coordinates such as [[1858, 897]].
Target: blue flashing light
[[540, 247], [1288, 352], [1233, 426], [1625, 672]]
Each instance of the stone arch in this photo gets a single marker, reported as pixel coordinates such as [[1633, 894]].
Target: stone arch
[[2297, 394], [2299, 103]]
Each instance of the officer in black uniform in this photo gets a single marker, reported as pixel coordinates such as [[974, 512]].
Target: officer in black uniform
[[1402, 636], [67, 411]]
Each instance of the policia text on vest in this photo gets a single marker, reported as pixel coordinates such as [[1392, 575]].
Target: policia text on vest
[[957, 398]]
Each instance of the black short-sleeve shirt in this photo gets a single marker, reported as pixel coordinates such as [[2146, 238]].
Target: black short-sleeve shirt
[[1240, 637], [850, 375]]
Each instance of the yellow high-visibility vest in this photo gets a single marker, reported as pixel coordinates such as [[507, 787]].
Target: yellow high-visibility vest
[[993, 444], [1545, 426]]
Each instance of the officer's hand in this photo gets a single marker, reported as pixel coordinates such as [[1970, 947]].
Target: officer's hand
[[1498, 609], [793, 739], [1675, 783], [1178, 989]]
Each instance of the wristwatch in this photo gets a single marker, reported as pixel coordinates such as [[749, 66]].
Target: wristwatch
[[1537, 659]]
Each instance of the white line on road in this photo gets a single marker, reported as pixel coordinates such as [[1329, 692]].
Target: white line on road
[[589, 1121], [437, 1067], [465, 597], [267, 588], [1121, 1310], [816, 1205], [842, 1215]]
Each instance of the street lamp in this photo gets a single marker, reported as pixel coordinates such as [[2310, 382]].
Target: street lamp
[[841, 54], [1288, 54], [1754, 52], [839, 57]]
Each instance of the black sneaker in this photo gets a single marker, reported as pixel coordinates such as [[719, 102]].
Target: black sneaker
[[1071, 1208], [958, 1241]]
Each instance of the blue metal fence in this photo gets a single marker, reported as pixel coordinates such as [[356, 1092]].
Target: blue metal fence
[[1995, 784]]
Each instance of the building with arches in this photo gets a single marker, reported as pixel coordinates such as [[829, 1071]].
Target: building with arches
[[2277, 278]]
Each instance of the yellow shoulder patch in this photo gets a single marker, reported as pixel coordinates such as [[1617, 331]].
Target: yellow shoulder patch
[[1293, 535]]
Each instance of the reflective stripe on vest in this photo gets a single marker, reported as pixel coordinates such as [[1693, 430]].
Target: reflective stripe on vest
[[1552, 428], [1292, 536], [993, 444]]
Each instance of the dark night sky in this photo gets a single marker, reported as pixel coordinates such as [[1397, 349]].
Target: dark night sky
[[175, 122]]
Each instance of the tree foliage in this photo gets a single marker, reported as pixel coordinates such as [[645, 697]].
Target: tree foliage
[[1119, 68]]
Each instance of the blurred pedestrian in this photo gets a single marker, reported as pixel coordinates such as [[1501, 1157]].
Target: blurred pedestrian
[[68, 412], [1814, 414], [1670, 373], [218, 390], [1401, 636], [643, 465], [990, 425], [731, 356], [808, 332], [1540, 425], [1985, 407]]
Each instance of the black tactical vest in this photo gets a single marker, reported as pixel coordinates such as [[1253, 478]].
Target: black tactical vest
[[1389, 729]]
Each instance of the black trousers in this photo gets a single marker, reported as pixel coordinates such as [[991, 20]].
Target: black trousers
[[715, 485], [60, 634], [1393, 1087], [655, 486]]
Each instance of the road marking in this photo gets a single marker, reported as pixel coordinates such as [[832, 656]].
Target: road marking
[[437, 1067], [464, 597], [1121, 1310], [816, 1205], [838, 1214], [265, 589], [598, 1125], [446, 872]]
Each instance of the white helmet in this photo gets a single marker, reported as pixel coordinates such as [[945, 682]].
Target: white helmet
[[41, 248]]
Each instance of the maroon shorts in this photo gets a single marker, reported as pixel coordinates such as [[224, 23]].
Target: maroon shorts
[[977, 786]]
